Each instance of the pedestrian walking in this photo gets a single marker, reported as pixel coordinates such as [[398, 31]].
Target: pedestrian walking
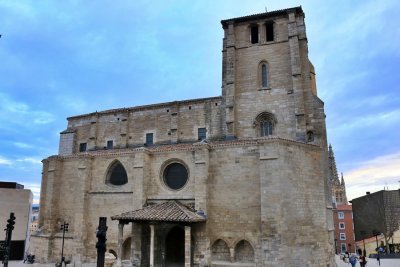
[[362, 259], [353, 260]]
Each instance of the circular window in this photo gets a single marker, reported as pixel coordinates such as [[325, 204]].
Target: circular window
[[175, 176]]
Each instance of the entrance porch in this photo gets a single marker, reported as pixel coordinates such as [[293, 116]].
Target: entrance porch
[[166, 234]]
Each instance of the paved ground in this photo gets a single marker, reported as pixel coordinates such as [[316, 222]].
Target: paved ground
[[340, 263], [371, 263]]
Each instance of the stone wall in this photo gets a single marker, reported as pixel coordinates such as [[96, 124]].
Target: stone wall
[[265, 194], [169, 122]]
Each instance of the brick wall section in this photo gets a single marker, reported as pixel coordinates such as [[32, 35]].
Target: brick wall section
[[348, 228]]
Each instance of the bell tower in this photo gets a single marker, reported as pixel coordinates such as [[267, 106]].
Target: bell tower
[[268, 82]]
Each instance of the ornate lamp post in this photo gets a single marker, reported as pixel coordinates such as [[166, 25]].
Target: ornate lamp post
[[101, 243], [7, 245]]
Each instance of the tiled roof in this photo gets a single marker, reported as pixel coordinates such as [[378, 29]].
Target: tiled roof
[[265, 14], [171, 211], [147, 107]]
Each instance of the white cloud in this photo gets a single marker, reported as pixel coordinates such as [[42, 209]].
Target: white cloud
[[72, 103], [43, 117], [35, 188], [370, 101], [4, 161], [374, 175], [389, 117], [362, 23], [21, 113], [22, 145], [30, 160]]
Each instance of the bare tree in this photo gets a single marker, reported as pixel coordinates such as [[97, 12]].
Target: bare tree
[[377, 213]]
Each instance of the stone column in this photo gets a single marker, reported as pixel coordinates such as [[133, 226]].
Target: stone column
[[187, 246], [133, 242], [151, 245], [120, 240]]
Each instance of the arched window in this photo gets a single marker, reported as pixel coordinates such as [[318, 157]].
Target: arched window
[[244, 252], [310, 136], [220, 251], [266, 128], [263, 74], [265, 124], [116, 174]]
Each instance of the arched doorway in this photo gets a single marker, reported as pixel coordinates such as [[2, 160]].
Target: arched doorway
[[175, 247]]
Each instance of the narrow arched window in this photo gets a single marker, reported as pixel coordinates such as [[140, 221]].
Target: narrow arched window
[[264, 77]]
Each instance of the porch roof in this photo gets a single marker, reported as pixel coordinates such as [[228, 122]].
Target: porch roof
[[170, 211]]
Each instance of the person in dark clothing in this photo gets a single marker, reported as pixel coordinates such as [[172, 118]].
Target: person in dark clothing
[[362, 259]]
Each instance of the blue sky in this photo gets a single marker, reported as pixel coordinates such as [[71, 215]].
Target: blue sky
[[65, 58]]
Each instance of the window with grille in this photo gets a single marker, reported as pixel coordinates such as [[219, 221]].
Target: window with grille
[[110, 144], [265, 122], [266, 128], [201, 133], [149, 139]]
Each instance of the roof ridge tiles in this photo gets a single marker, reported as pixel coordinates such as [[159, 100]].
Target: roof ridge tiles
[[267, 13], [169, 211], [149, 106]]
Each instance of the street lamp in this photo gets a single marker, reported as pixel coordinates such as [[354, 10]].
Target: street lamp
[[376, 233], [101, 243], [7, 244], [64, 228], [362, 232]]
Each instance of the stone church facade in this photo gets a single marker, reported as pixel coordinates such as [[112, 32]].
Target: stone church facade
[[237, 179]]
